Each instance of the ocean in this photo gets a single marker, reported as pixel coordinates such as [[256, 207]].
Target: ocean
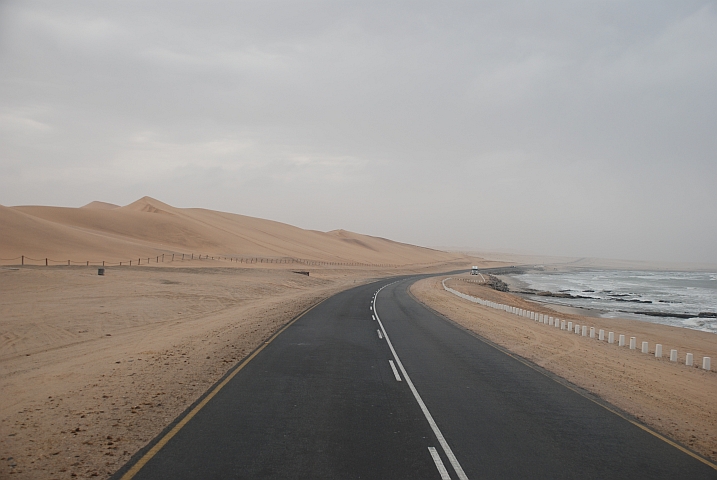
[[683, 299]]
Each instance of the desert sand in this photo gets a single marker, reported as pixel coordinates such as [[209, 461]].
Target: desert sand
[[93, 367], [149, 228], [675, 400]]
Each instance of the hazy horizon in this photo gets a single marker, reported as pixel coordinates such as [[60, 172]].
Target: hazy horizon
[[557, 129]]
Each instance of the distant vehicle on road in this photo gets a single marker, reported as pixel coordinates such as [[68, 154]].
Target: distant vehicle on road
[[474, 271]]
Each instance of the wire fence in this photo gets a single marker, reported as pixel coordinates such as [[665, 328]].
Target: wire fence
[[24, 260]]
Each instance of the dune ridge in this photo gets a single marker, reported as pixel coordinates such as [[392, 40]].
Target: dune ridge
[[148, 228]]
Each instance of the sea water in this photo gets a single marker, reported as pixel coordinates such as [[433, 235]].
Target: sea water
[[632, 294]]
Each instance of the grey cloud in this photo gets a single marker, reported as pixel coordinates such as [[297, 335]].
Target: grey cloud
[[580, 128]]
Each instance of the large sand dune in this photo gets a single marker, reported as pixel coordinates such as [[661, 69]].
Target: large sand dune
[[147, 228]]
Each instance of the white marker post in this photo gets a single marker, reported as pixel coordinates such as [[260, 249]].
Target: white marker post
[[633, 343], [706, 363], [645, 347], [592, 332], [550, 321], [621, 341], [585, 331], [658, 350], [570, 326], [562, 325], [689, 360], [673, 355], [611, 337], [556, 323], [601, 335]]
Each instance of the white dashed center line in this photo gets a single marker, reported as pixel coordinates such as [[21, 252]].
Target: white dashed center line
[[436, 431], [395, 372], [439, 464], [380, 335]]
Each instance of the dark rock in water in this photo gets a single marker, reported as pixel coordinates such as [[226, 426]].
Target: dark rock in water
[[631, 301], [662, 314], [547, 293], [588, 291], [496, 284], [707, 315]]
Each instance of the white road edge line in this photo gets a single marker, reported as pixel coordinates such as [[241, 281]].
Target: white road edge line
[[439, 464], [436, 431], [379, 334], [395, 372]]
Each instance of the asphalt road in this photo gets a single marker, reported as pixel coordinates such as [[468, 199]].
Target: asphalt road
[[323, 400]]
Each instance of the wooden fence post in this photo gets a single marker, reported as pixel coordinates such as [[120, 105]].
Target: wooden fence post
[[22, 262]]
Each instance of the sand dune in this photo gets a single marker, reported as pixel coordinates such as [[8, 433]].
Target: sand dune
[[146, 228], [101, 205]]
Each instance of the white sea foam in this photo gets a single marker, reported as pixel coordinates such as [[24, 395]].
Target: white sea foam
[[627, 293]]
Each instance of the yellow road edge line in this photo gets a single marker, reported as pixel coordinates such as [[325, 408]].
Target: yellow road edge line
[[624, 417], [168, 436]]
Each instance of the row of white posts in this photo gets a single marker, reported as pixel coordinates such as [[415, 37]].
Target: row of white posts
[[578, 329]]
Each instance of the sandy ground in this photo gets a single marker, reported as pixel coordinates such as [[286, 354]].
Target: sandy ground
[[92, 368], [673, 399]]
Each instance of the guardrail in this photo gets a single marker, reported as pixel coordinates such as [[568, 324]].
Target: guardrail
[[582, 330]]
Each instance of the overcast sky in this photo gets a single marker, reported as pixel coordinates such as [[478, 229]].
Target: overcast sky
[[561, 128]]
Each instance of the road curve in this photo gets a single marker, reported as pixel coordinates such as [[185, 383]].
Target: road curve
[[343, 394]]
